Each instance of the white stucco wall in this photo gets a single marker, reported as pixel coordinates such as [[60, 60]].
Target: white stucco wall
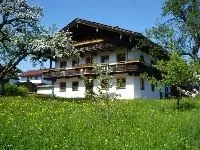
[[32, 79], [125, 93], [135, 53], [46, 90], [132, 89], [132, 54], [69, 93]]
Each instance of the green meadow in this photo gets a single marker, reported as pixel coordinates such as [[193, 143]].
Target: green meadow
[[48, 123]]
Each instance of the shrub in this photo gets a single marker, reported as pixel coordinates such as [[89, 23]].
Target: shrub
[[9, 89], [22, 91], [14, 90]]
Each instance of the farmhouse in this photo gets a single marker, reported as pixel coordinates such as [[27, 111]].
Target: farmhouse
[[107, 46], [34, 76]]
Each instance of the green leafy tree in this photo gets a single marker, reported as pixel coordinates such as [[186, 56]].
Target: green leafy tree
[[101, 94], [178, 33], [181, 31]]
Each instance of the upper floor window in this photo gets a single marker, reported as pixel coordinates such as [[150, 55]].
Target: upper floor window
[[121, 57], [141, 58], [75, 62], [62, 86], [74, 86], [142, 84], [89, 60], [121, 83], [63, 64], [105, 59]]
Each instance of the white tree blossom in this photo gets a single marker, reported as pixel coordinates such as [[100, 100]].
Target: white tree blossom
[[21, 35]]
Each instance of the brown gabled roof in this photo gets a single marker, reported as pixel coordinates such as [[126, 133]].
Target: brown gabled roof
[[32, 73], [130, 38], [101, 26]]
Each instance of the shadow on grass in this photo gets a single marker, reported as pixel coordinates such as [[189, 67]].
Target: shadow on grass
[[187, 106]]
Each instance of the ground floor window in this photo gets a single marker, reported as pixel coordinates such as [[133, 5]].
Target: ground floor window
[[74, 86], [153, 87], [141, 58], [104, 84], [62, 86], [142, 84], [121, 83]]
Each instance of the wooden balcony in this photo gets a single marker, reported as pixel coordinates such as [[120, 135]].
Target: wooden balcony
[[88, 70]]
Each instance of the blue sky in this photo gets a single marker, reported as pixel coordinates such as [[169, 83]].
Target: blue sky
[[135, 15]]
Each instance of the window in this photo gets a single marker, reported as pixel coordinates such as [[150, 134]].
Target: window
[[63, 64], [75, 62], [104, 84], [74, 86], [89, 86], [89, 60], [142, 84], [121, 83], [105, 59], [36, 77], [166, 89], [153, 87], [167, 92], [141, 58], [62, 86], [121, 57]]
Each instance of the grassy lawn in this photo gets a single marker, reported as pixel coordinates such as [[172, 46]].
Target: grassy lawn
[[35, 123]]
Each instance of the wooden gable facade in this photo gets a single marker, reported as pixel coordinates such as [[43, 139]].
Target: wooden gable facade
[[91, 37]]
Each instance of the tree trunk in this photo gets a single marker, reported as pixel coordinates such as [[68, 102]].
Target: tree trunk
[[51, 65], [178, 102], [1, 87], [179, 98]]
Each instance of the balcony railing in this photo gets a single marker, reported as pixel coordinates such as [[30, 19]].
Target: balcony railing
[[88, 70]]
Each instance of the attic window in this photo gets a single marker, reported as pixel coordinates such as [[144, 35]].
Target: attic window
[[63, 64], [75, 62], [105, 59]]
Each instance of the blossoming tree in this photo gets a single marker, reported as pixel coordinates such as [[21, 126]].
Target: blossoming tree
[[22, 36]]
